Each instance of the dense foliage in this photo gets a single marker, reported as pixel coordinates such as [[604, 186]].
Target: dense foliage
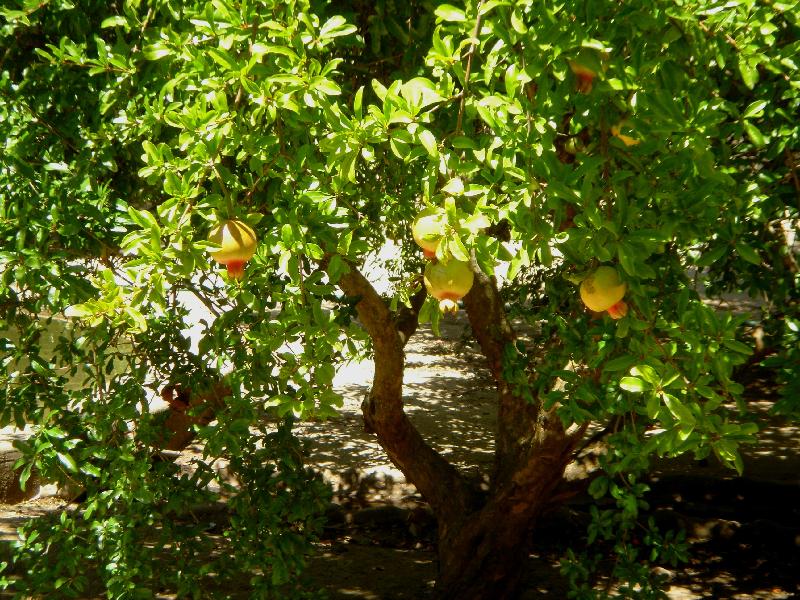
[[132, 128]]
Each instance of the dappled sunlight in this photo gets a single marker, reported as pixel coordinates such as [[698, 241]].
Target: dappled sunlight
[[448, 395], [775, 456], [359, 572]]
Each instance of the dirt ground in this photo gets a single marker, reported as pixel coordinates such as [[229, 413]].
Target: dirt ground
[[379, 544]]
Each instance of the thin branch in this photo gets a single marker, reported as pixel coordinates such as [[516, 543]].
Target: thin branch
[[468, 69], [408, 318], [712, 33], [489, 322]]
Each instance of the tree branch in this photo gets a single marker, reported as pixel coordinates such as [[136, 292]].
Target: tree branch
[[468, 68], [524, 430], [438, 481], [516, 418], [181, 419], [408, 318]]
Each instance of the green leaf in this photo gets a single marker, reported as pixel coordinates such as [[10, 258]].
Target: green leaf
[[428, 141], [632, 384], [749, 71], [326, 86], [25, 475], [314, 251], [678, 409], [357, 102], [621, 363], [487, 7], [224, 59], [754, 134], [156, 51], [57, 166], [458, 249], [737, 346], [90, 469], [713, 255], [144, 219], [336, 26], [116, 21], [448, 12], [79, 310], [336, 268], [68, 462], [455, 187], [647, 373], [379, 89], [343, 247], [136, 319], [755, 109], [747, 253]]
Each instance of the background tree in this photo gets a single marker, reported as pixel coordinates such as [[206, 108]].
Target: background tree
[[657, 138]]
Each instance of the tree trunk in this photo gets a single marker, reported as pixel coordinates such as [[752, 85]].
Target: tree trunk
[[484, 559], [483, 554], [483, 538]]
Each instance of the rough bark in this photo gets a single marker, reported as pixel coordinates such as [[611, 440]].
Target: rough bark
[[485, 556], [482, 541], [516, 418], [447, 491]]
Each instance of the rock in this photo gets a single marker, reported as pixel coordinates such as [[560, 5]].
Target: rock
[[10, 490]]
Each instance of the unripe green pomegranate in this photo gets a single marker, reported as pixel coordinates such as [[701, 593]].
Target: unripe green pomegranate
[[237, 242], [448, 282], [427, 230], [602, 289]]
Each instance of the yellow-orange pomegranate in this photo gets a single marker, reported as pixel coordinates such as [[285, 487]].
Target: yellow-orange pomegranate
[[585, 76], [448, 282], [237, 244], [602, 289], [427, 230]]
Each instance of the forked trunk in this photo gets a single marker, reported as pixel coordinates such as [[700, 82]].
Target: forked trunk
[[483, 539], [483, 554]]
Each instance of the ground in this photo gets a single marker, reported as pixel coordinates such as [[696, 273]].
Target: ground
[[744, 531]]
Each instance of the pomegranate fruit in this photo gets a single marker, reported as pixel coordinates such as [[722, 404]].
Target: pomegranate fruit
[[427, 230], [237, 244], [602, 289], [448, 282]]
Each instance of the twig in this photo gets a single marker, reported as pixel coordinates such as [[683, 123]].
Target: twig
[[38, 119], [712, 33], [469, 67]]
